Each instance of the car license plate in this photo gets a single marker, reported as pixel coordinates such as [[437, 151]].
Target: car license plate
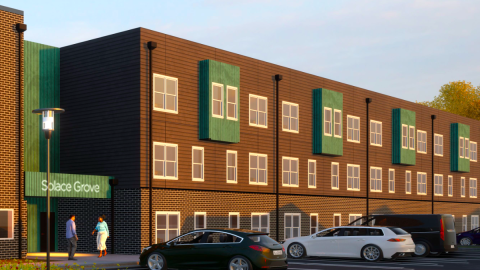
[[452, 246], [277, 252]]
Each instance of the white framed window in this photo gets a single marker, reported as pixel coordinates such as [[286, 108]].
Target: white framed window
[[197, 163], [312, 173], [167, 226], [404, 136], [258, 169], [165, 161], [337, 118], [438, 145], [261, 222], [327, 121], [464, 223], [258, 111], [290, 117], [292, 225], [473, 151], [232, 103], [234, 220], [353, 217], [438, 184], [421, 183], [231, 166], [353, 129], [462, 186], [6, 224], [450, 186], [467, 148], [313, 223], [421, 141], [335, 175], [408, 182], [461, 146], [165, 93], [290, 171], [353, 177], [474, 222], [391, 180], [375, 133], [217, 100], [337, 220], [473, 187], [411, 137], [375, 179], [200, 220]]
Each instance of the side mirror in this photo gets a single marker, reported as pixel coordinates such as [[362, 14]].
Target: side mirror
[[172, 243], [314, 236]]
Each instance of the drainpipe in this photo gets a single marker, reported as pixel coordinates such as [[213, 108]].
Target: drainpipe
[[20, 29], [368, 101], [433, 159], [151, 46], [113, 183], [277, 79]]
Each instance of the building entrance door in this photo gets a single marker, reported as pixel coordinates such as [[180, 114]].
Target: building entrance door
[[43, 231]]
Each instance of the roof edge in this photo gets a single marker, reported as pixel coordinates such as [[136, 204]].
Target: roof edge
[[12, 10]]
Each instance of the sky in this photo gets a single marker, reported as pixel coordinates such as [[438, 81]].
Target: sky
[[402, 48]]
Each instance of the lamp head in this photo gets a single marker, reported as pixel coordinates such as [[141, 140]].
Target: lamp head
[[48, 119]]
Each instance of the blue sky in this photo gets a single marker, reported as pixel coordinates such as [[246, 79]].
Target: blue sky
[[402, 48]]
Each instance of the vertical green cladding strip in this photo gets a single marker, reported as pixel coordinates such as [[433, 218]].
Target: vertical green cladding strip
[[35, 206], [458, 164], [401, 155], [327, 145], [213, 128]]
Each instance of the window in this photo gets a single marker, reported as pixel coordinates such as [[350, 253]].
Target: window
[[337, 220], [474, 223], [391, 180], [232, 103], [375, 179], [168, 226], [338, 123], [421, 183], [6, 224], [234, 220], [327, 121], [375, 133], [461, 147], [473, 151], [438, 185], [200, 220], [197, 163], [405, 136], [290, 171], [353, 177], [464, 223], [450, 186], [462, 186], [260, 222], [258, 111], [353, 217], [411, 137], [217, 100], [467, 147], [312, 173], [408, 182], [313, 223], [421, 141], [353, 129], [335, 184], [165, 160], [292, 225], [231, 166], [438, 145], [473, 187], [165, 92], [258, 169], [290, 117]]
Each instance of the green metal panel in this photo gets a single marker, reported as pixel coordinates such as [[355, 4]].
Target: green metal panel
[[212, 128], [34, 207], [327, 145], [458, 164], [401, 155], [67, 185]]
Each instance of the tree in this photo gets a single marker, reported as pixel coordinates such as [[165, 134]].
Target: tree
[[458, 97]]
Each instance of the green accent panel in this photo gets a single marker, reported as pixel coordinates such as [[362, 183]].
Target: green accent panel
[[327, 145], [34, 207], [67, 185], [41, 90], [212, 128], [458, 164], [401, 155]]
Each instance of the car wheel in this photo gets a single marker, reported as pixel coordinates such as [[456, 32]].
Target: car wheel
[[239, 263], [422, 249], [371, 253], [465, 241], [296, 251], [156, 261]]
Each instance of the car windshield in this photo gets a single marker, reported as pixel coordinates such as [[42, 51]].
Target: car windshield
[[263, 239], [398, 231], [329, 232]]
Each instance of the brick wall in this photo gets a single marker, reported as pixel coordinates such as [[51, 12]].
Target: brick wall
[[128, 220]]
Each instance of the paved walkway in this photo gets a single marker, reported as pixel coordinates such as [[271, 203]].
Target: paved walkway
[[88, 260]]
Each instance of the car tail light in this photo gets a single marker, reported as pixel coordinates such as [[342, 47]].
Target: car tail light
[[283, 248], [396, 240], [442, 230], [259, 248]]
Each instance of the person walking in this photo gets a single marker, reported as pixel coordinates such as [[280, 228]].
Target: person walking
[[72, 237], [102, 235]]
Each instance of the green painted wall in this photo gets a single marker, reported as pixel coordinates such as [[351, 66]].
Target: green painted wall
[[458, 164], [213, 128], [34, 207], [327, 145], [401, 155]]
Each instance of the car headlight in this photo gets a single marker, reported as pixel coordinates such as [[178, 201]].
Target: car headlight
[[145, 249]]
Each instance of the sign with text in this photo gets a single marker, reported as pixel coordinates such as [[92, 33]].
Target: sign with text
[[67, 185]]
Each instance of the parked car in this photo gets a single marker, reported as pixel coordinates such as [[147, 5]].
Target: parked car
[[216, 249], [432, 234], [370, 243], [468, 238]]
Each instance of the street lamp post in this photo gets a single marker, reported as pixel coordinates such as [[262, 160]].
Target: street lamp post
[[48, 126]]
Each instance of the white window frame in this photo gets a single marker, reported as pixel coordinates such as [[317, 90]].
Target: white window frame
[[325, 133], [411, 139], [462, 187], [204, 214], [353, 180], [438, 184], [405, 132], [257, 155], [408, 182], [450, 186], [356, 216], [235, 118], [291, 228], [222, 101], [352, 128], [420, 142], [168, 213], [464, 223], [335, 111], [335, 183], [236, 167], [461, 147], [372, 189], [473, 188], [257, 111], [202, 164], [290, 117], [290, 172], [237, 214], [391, 181], [437, 145], [339, 220], [313, 227], [164, 109], [165, 145], [260, 221], [473, 222], [473, 158], [376, 133], [467, 148], [314, 173], [12, 225], [420, 183]]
